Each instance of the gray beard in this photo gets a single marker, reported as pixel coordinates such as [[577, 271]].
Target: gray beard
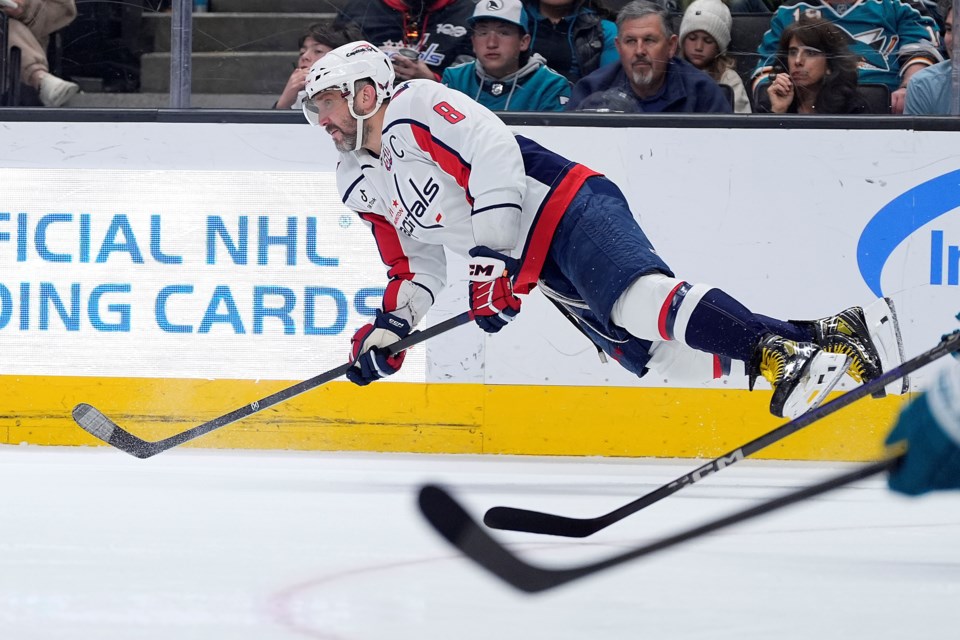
[[347, 143], [642, 79]]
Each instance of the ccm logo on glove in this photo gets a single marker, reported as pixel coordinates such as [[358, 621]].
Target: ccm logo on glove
[[491, 288], [484, 269]]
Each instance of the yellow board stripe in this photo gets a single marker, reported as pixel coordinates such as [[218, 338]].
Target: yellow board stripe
[[441, 418]]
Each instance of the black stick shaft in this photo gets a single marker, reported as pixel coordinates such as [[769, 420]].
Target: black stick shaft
[[452, 521], [311, 383], [545, 523], [93, 421]]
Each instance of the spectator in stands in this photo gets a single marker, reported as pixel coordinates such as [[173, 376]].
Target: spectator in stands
[[31, 23], [575, 37], [891, 39], [430, 35], [821, 72], [314, 43], [649, 69], [704, 38], [505, 77], [929, 91], [945, 23]]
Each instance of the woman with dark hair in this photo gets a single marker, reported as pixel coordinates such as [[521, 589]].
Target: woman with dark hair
[[575, 37], [821, 72]]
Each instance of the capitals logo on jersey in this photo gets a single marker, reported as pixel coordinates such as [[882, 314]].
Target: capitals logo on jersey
[[389, 150], [429, 52], [416, 199], [386, 158]]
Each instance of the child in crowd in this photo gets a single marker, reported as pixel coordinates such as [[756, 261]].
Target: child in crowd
[[505, 77], [704, 38], [318, 40]]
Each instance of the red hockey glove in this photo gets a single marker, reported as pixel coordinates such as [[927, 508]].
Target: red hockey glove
[[368, 349], [491, 289]]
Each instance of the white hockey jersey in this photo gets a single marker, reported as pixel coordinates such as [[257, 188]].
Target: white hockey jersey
[[450, 174]]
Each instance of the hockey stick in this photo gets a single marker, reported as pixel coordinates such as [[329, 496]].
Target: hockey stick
[[537, 522], [100, 426], [450, 519]]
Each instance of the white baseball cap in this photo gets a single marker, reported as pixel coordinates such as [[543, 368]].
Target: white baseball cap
[[511, 11]]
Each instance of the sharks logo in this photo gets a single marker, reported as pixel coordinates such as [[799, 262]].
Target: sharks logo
[[874, 46], [873, 38]]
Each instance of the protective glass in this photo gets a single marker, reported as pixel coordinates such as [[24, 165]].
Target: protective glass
[[321, 106]]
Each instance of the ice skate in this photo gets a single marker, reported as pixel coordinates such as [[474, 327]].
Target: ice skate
[[800, 373], [869, 336]]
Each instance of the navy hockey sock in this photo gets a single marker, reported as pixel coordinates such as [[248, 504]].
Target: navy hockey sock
[[785, 329], [719, 324]]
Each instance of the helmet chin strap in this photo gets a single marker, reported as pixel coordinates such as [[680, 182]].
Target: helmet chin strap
[[360, 119]]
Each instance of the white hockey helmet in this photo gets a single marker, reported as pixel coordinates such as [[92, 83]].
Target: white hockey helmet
[[342, 68]]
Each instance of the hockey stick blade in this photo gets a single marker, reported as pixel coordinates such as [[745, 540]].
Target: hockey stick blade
[[94, 422], [514, 519], [452, 521]]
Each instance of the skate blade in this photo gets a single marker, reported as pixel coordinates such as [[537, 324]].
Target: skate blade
[[884, 328], [821, 375]]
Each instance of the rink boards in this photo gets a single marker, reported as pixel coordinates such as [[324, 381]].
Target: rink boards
[[448, 418], [168, 288]]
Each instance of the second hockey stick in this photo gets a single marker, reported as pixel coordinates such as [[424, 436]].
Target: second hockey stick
[[514, 519], [94, 422], [451, 521]]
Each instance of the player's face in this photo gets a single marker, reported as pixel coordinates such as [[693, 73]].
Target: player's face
[[311, 52], [700, 49], [807, 65], [333, 114], [497, 45], [645, 51]]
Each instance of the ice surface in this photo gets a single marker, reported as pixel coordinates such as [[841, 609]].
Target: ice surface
[[238, 545]]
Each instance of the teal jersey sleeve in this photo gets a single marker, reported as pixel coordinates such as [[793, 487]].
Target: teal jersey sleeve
[[609, 53]]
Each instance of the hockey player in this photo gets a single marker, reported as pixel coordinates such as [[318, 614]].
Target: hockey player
[[930, 426], [427, 168]]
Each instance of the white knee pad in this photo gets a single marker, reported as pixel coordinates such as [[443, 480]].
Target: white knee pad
[[657, 307]]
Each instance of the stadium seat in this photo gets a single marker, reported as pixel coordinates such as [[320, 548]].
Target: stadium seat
[[745, 38], [877, 97]]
